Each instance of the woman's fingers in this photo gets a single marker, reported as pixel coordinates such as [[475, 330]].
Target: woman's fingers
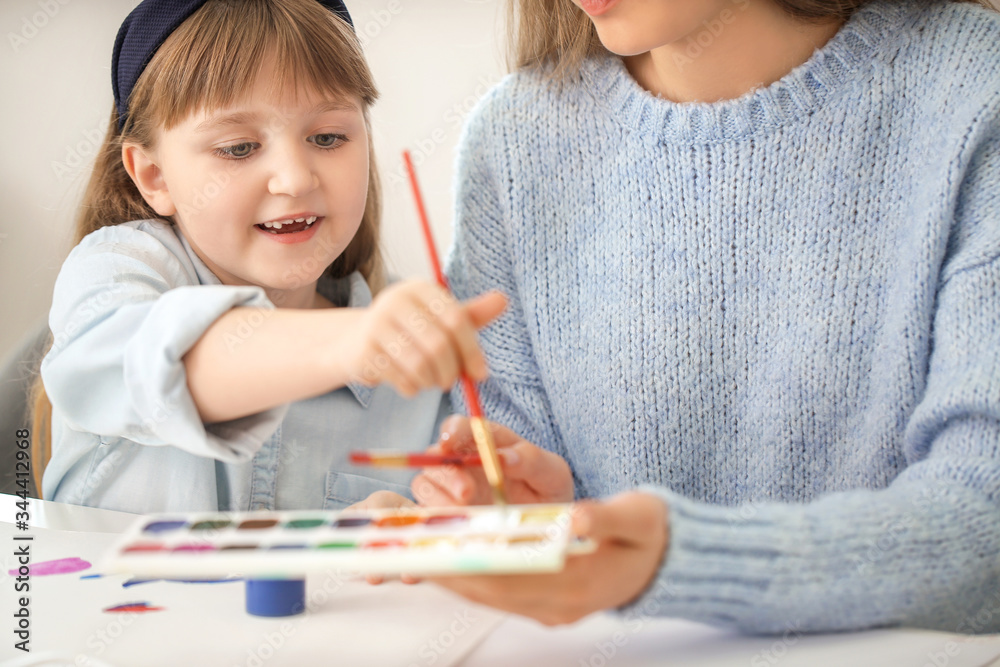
[[456, 436], [632, 537], [547, 474], [532, 474], [628, 518], [433, 487]]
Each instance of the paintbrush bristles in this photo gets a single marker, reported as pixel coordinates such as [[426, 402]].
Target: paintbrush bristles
[[491, 460]]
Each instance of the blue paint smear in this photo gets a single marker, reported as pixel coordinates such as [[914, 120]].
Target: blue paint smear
[[136, 581]]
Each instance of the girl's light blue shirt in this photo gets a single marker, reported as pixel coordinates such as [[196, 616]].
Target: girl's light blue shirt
[[129, 302]]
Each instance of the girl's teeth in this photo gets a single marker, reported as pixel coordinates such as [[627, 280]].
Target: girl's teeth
[[278, 225]]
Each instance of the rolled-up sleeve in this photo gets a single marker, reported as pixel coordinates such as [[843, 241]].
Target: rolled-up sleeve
[[127, 306]]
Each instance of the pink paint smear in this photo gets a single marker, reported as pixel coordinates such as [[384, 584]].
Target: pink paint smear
[[60, 566]]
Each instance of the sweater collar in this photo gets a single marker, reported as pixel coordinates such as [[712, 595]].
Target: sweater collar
[[847, 57]]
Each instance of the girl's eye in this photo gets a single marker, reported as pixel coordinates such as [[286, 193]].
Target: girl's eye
[[328, 140], [237, 151]]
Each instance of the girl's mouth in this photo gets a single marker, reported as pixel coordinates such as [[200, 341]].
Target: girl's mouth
[[291, 230], [288, 226]]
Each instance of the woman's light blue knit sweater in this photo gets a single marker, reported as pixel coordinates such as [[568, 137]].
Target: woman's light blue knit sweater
[[781, 313]]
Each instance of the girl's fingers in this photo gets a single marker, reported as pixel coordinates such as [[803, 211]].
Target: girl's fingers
[[401, 380], [453, 321], [426, 341], [485, 308], [437, 347], [429, 336], [466, 342]]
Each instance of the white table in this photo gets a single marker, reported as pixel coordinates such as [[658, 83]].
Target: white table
[[469, 635]]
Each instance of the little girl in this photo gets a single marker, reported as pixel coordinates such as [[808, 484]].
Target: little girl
[[215, 340], [753, 255]]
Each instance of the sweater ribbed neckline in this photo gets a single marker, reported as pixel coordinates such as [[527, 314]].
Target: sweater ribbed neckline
[[807, 88]]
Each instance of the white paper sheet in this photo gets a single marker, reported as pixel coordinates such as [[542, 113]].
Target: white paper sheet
[[347, 623], [607, 641]]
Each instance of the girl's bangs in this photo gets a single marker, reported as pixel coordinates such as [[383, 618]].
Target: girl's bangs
[[215, 58]]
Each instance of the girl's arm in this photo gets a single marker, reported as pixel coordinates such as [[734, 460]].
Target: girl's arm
[[414, 336], [126, 307]]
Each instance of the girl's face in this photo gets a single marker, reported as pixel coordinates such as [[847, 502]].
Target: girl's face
[[631, 27], [268, 192]]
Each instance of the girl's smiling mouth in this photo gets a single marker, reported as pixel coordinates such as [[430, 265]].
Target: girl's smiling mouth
[[293, 229]]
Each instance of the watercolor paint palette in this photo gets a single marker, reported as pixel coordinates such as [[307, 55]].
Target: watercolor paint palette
[[418, 541]]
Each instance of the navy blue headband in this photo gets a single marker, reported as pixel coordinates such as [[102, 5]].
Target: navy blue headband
[[146, 28]]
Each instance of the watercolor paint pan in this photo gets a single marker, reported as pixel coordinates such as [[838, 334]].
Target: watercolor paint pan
[[418, 541]]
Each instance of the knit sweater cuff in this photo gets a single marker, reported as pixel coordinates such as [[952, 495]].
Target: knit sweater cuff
[[719, 563]]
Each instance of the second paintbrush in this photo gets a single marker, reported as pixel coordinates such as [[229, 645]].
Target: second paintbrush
[[398, 459]]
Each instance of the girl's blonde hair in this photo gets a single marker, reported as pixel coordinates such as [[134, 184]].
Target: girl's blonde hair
[[210, 62], [559, 35]]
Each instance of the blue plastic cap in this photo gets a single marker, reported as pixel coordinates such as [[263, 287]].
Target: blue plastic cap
[[276, 597]]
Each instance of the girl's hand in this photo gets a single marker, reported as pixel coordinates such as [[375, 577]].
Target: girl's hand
[[377, 501], [632, 535], [380, 500], [531, 474], [415, 335]]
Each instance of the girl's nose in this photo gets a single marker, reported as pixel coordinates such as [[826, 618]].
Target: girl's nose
[[293, 175]]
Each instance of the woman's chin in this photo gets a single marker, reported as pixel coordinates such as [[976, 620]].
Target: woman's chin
[[624, 42]]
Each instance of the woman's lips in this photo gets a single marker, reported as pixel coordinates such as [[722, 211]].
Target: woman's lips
[[597, 7]]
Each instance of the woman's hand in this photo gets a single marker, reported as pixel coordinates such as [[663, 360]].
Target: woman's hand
[[415, 335], [531, 474], [632, 536]]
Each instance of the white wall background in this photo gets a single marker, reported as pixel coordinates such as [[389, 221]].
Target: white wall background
[[431, 59]]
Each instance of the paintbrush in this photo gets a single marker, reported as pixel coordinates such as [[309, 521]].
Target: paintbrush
[[399, 459], [480, 430]]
